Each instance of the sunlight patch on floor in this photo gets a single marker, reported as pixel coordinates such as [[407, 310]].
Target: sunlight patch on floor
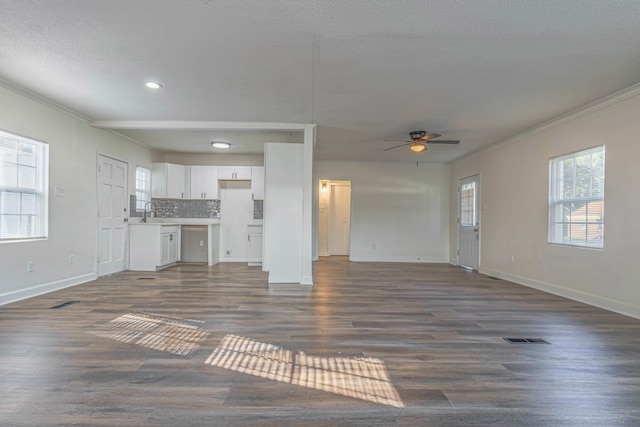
[[164, 333], [363, 378]]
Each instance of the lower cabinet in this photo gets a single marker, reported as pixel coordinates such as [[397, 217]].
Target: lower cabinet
[[153, 246], [169, 247]]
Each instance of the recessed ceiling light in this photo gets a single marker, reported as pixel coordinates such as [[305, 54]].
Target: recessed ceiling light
[[153, 85], [220, 144]]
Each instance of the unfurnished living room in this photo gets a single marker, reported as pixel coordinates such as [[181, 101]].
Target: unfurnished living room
[[319, 213]]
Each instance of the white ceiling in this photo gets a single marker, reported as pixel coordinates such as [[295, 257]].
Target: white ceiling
[[362, 70]]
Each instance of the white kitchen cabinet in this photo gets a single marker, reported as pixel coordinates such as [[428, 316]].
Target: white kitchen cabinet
[[153, 246], [234, 173], [204, 182], [257, 182], [168, 181], [169, 248], [254, 252]]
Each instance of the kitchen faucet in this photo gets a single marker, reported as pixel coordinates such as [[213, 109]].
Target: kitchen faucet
[[144, 212]]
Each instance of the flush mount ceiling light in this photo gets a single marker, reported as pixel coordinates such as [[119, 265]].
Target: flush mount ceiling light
[[220, 144], [153, 85]]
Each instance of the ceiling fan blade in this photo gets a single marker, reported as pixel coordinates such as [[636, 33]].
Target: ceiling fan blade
[[396, 140], [430, 136], [444, 141], [397, 146]]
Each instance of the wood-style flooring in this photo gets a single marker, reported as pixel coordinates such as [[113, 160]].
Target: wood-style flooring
[[370, 344]]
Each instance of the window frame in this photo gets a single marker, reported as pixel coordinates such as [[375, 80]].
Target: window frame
[[39, 187], [559, 203], [138, 190]]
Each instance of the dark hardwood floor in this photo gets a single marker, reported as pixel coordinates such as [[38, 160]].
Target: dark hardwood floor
[[371, 344]]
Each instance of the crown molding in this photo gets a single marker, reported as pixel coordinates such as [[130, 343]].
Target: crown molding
[[42, 100], [565, 118], [196, 125]]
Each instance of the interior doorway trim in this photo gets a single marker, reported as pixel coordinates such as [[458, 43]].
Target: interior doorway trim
[[334, 217]]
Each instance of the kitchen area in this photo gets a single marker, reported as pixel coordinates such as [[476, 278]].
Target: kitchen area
[[196, 213]]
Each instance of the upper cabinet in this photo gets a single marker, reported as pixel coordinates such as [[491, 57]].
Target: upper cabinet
[[168, 181], [234, 173], [257, 182], [203, 182]]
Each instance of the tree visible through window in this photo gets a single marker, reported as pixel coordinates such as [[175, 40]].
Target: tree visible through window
[[576, 198], [23, 188]]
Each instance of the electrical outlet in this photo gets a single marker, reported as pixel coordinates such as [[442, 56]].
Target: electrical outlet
[[72, 259], [513, 258], [201, 242], [31, 266]]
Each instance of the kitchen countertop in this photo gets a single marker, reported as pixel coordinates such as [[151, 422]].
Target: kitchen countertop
[[178, 221]]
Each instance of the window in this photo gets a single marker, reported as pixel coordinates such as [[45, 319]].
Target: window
[[23, 188], [468, 204], [576, 199], [143, 187]]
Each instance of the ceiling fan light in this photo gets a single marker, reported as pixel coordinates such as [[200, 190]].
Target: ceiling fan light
[[418, 147]]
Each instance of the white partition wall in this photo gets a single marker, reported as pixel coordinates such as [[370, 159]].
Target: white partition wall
[[283, 212]]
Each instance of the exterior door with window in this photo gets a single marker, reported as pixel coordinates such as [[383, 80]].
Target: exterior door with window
[[112, 212], [468, 224]]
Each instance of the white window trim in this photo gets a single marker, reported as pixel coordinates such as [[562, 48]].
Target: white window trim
[[147, 172], [42, 170], [555, 199]]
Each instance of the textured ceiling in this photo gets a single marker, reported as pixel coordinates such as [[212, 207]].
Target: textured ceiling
[[362, 70]]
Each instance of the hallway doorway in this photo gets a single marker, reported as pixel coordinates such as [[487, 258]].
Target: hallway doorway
[[334, 219]]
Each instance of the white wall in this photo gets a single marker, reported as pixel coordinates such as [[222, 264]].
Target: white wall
[[210, 160], [399, 211], [73, 151], [283, 212], [514, 203]]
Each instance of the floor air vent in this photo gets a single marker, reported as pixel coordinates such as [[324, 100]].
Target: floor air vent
[[526, 341], [146, 278], [64, 304]]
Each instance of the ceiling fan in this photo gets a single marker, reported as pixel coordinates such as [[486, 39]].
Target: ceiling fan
[[419, 139]]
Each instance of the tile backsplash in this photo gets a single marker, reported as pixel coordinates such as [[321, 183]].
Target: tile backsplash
[[177, 208], [257, 209]]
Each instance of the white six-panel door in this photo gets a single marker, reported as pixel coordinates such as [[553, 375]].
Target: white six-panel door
[[112, 212]]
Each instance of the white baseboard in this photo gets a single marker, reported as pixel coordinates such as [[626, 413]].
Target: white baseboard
[[423, 260], [45, 288], [283, 278], [306, 280], [324, 253], [584, 297], [222, 259]]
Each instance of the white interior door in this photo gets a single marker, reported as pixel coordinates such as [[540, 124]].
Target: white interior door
[[112, 212], [468, 223], [340, 219]]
